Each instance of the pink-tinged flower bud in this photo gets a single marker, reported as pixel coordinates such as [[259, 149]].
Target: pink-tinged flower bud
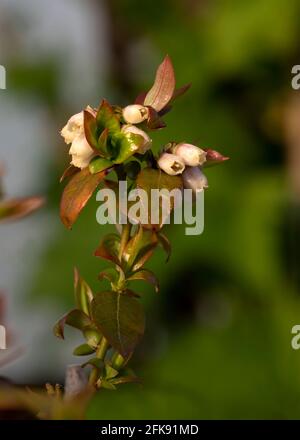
[[81, 152], [190, 154], [147, 140], [136, 113], [171, 164], [73, 128], [193, 178]]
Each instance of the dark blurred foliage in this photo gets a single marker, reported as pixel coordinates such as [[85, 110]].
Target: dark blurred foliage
[[218, 336]]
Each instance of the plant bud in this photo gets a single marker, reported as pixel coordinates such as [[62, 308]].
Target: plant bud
[[190, 154], [81, 152], [147, 140], [134, 114], [193, 178], [73, 128], [171, 164]]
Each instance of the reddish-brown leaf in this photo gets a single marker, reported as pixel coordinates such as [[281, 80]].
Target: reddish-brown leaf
[[120, 318], [90, 129], [109, 248], [140, 98], [181, 91], [214, 157], [164, 85], [77, 193], [69, 172]]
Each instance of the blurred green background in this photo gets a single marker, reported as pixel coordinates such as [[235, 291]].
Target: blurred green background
[[218, 338]]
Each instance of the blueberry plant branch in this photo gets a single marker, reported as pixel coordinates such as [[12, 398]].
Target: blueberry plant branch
[[110, 144]]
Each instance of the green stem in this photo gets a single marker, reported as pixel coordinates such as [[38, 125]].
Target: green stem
[[100, 354], [102, 348]]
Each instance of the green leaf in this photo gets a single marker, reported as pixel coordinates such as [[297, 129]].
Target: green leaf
[[83, 293], [99, 164], [163, 88], [149, 179], [133, 247], [145, 275], [127, 144], [107, 385], [77, 193], [106, 118], [109, 248], [90, 129], [110, 372], [83, 350], [120, 319], [75, 318]]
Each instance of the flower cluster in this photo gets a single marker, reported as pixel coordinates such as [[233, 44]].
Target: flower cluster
[[185, 159], [83, 152]]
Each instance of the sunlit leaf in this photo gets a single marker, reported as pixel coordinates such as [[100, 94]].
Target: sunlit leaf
[[164, 85], [77, 193], [121, 320]]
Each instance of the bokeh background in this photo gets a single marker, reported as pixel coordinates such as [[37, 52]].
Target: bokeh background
[[218, 338]]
